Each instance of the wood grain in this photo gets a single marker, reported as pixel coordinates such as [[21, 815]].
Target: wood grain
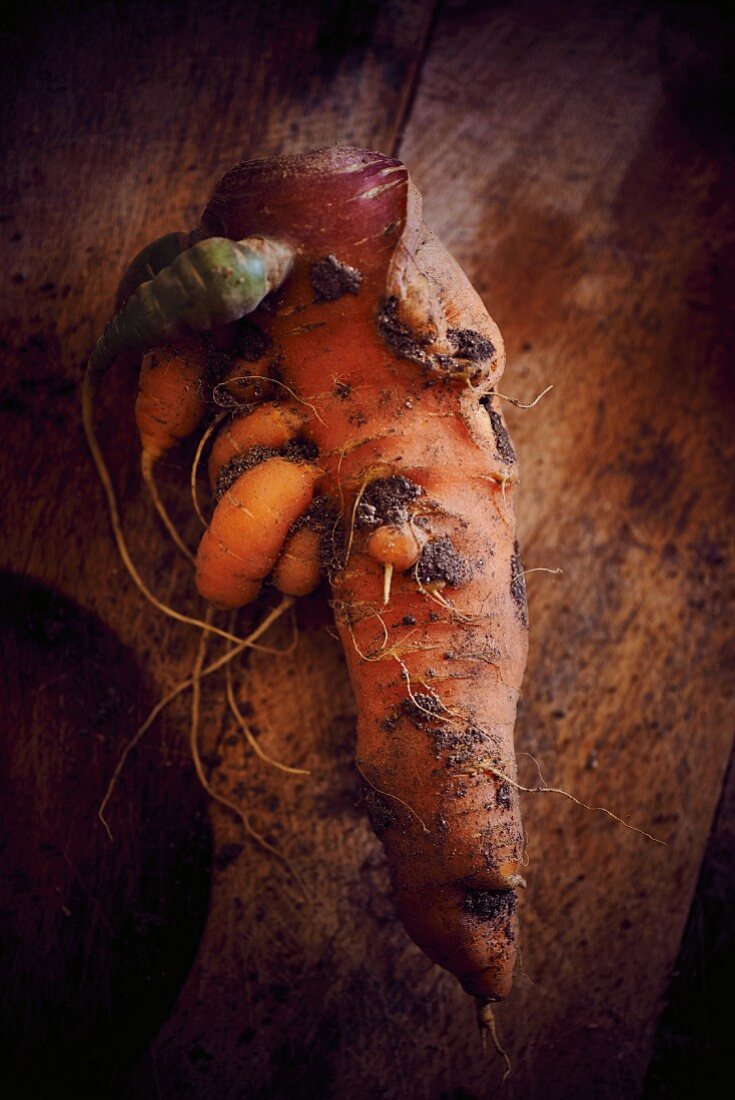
[[572, 156], [589, 206]]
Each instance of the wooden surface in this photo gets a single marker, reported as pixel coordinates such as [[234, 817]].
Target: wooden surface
[[573, 157]]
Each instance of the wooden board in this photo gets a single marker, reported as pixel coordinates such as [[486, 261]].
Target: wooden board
[[571, 159], [588, 207]]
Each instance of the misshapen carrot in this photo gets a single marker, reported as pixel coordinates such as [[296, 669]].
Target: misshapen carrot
[[379, 322], [374, 328]]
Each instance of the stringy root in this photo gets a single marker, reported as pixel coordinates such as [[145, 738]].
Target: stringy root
[[487, 1026], [194, 682], [488, 766], [245, 643], [217, 795], [147, 470], [206, 628]]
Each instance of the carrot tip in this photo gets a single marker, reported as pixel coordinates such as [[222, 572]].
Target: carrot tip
[[486, 1024]]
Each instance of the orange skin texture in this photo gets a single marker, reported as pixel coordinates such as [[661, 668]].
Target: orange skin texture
[[248, 529], [269, 425], [298, 570], [170, 403], [396, 546], [436, 676]]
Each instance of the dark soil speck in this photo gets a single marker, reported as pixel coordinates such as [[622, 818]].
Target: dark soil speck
[[331, 279], [422, 708], [397, 335], [251, 343], [502, 439], [518, 585], [490, 905], [469, 344], [440, 563], [380, 812], [385, 501]]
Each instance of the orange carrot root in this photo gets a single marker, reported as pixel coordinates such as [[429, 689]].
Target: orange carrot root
[[248, 529], [408, 454], [299, 568], [170, 402], [270, 425], [387, 365]]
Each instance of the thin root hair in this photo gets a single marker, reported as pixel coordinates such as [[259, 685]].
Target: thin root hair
[[437, 598], [387, 794], [195, 465], [489, 767], [272, 381], [248, 733], [406, 676], [106, 482], [514, 400], [538, 766], [147, 470], [223, 800], [486, 1023], [177, 690]]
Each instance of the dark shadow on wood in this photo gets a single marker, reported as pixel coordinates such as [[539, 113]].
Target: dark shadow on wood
[[97, 937]]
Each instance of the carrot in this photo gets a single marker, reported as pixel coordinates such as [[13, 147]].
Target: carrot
[[269, 425], [248, 528], [417, 464], [240, 386], [171, 402], [152, 259], [212, 283], [299, 568], [170, 406], [376, 330], [209, 283]]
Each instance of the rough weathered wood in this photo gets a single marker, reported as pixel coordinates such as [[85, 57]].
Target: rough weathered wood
[[572, 157]]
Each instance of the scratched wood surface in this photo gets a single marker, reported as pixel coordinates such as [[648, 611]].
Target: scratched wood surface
[[573, 158]]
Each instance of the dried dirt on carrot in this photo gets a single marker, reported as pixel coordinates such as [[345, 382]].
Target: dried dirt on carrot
[[379, 330]]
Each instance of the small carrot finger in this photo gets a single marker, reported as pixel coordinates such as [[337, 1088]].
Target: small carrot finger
[[248, 529], [243, 385], [298, 570], [170, 403], [270, 425]]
